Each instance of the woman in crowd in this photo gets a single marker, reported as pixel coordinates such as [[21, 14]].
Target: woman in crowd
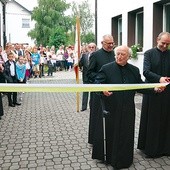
[[1, 81]]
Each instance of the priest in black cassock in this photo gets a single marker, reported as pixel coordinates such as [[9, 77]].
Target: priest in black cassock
[[97, 60], [120, 123], [154, 132]]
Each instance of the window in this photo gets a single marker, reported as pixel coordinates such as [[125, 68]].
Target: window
[[166, 17], [139, 28], [25, 23], [135, 27], [161, 10], [117, 29]]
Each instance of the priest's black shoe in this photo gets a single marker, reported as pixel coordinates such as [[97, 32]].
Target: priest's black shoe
[[83, 110], [12, 105], [17, 103]]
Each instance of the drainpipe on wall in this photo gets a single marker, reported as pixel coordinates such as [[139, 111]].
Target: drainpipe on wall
[[96, 22], [4, 23]]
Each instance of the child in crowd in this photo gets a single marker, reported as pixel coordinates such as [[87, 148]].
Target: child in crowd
[[50, 66], [11, 77], [21, 72], [28, 69], [70, 59], [36, 61], [42, 59], [28, 61], [21, 69]]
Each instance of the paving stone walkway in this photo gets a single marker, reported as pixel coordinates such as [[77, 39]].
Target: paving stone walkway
[[46, 133]]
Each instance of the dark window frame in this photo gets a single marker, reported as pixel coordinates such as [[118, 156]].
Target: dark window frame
[[132, 26], [115, 30]]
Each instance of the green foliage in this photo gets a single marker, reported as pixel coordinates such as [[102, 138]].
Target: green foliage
[[135, 48], [70, 38], [53, 27], [86, 19], [58, 37], [48, 15], [88, 38]]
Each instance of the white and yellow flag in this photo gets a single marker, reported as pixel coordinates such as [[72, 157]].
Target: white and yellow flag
[[77, 49]]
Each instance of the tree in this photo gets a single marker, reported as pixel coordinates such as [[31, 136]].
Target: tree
[[49, 15], [57, 37], [88, 38], [53, 27], [86, 19]]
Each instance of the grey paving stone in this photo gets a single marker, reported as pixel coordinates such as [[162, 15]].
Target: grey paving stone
[[46, 133], [14, 167], [58, 167], [166, 167]]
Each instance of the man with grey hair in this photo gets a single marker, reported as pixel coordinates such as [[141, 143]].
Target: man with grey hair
[[154, 133], [97, 60], [83, 64], [120, 123]]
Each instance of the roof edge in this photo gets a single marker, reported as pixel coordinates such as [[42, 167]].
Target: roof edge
[[17, 3]]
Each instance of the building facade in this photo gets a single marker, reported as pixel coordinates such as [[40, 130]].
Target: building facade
[[18, 23], [133, 22]]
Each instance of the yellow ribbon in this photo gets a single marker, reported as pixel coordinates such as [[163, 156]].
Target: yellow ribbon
[[9, 87]]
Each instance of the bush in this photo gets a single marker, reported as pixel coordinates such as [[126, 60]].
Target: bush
[[135, 49]]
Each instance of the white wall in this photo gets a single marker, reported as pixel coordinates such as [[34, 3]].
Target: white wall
[[139, 63], [1, 24], [14, 31], [108, 9]]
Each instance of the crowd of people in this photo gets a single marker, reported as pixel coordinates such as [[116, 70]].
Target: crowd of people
[[112, 140], [40, 59], [19, 63]]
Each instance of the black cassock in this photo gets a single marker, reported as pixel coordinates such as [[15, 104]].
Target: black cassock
[[154, 132], [97, 60], [121, 121]]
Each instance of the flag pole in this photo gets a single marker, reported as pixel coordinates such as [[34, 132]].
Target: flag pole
[[76, 67]]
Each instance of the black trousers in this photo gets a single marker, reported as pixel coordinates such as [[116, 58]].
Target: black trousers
[[1, 106], [85, 100], [12, 96]]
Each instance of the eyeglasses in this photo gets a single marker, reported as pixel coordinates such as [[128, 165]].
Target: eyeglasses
[[91, 47], [109, 43]]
